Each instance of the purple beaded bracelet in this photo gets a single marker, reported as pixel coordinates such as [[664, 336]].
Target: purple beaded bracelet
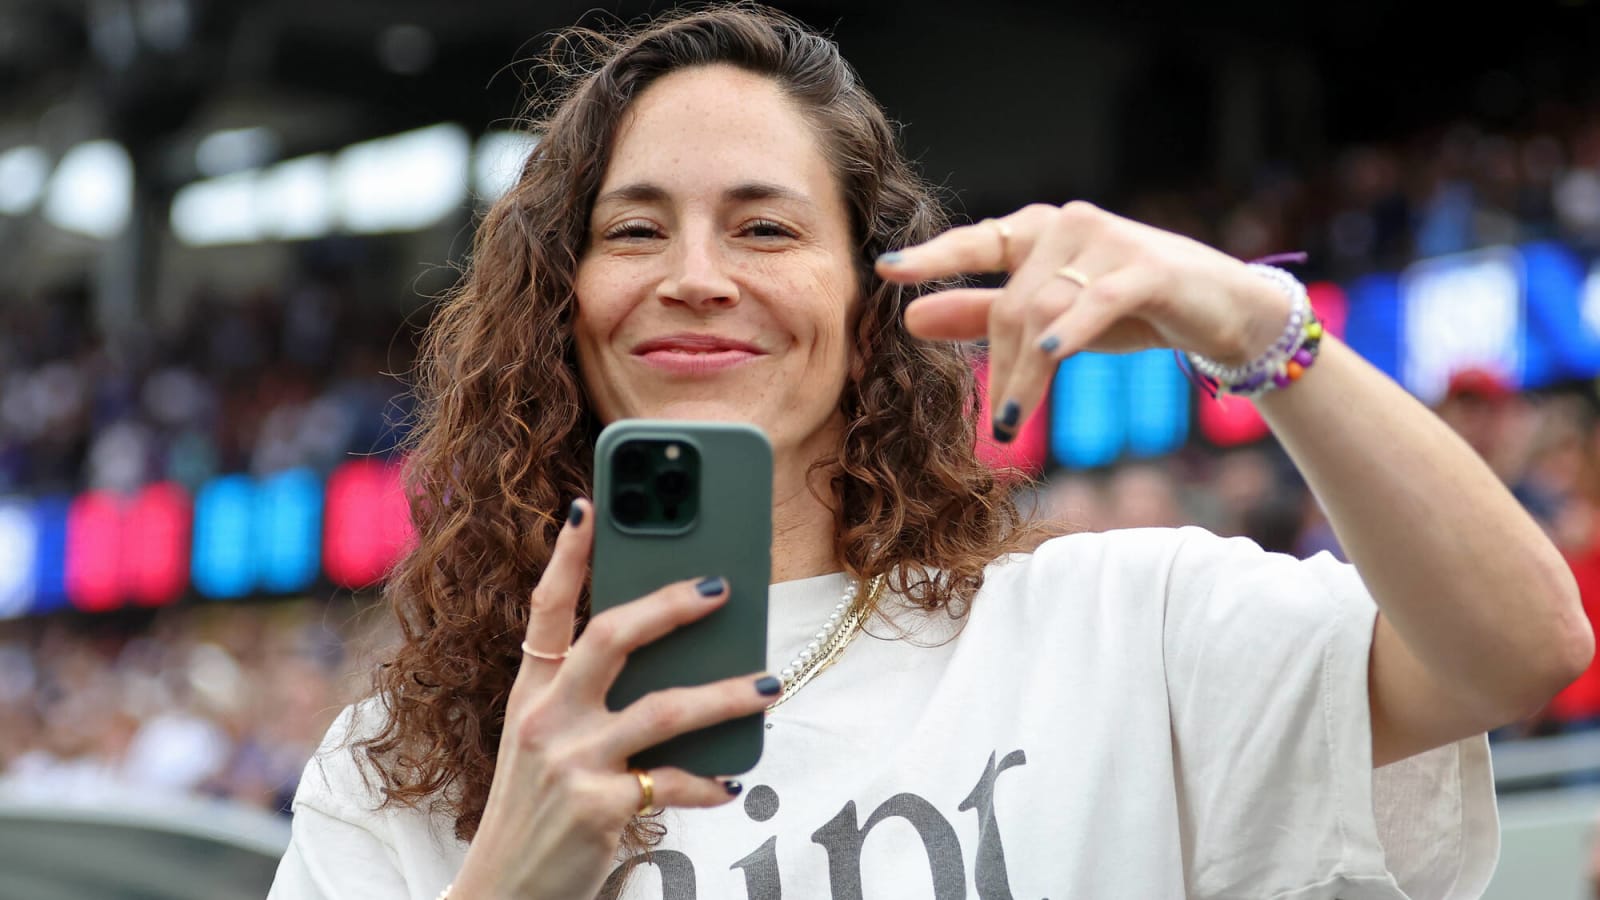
[[1284, 362]]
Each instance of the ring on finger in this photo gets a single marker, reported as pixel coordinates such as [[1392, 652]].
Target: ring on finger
[[540, 654], [1074, 275], [647, 793]]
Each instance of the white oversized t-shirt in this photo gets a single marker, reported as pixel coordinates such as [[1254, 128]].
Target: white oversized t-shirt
[[1137, 714]]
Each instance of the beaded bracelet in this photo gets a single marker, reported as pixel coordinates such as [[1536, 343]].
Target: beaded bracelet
[[1285, 361]]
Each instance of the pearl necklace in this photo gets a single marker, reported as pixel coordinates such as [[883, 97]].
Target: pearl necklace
[[830, 640]]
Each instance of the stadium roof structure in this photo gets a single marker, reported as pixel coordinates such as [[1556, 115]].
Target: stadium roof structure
[[324, 74]]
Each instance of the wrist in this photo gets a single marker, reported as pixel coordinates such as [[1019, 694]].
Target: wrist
[[1284, 360], [1263, 308], [475, 881]]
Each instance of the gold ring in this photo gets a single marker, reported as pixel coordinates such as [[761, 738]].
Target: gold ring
[[1073, 275], [539, 654], [647, 791], [1002, 231]]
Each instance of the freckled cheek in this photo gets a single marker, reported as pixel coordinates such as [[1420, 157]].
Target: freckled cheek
[[600, 312], [820, 296], [602, 305], [830, 324], [830, 345]]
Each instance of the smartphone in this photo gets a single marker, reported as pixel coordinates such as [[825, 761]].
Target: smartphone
[[677, 500]]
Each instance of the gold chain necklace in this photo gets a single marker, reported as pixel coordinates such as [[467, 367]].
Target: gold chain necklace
[[829, 652]]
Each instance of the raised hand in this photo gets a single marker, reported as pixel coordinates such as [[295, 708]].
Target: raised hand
[[1082, 279]]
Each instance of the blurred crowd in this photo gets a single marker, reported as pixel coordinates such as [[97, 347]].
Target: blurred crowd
[[1382, 205], [278, 379], [224, 701], [230, 700]]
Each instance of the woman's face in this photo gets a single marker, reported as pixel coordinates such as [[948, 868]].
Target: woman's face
[[718, 280]]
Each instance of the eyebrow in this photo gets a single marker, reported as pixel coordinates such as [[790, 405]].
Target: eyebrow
[[645, 192]]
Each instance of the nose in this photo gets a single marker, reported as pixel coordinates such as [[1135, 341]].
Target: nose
[[698, 272]]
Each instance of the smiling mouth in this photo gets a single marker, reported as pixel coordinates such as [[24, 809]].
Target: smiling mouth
[[695, 362]]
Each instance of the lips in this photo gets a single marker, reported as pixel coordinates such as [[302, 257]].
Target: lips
[[694, 355], [695, 343]]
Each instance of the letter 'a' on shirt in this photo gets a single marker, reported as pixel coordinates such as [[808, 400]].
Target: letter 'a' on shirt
[[1151, 713]]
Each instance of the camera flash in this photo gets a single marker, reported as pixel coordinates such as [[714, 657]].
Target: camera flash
[[672, 451]]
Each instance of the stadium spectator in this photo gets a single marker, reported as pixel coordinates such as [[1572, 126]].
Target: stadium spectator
[[1577, 532]]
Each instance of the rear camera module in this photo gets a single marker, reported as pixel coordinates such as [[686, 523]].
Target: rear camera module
[[672, 485], [632, 463], [631, 506]]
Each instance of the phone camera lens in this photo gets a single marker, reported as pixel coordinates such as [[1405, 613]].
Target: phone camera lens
[[672, 485], [632, 464], [631, 506]]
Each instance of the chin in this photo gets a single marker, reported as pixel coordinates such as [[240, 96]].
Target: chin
[[701, 411], [778, 428]]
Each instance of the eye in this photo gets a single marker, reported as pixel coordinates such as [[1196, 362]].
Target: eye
[[635, 229], [765, 228]]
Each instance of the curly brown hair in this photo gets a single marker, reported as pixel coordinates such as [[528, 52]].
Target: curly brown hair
[[505, 433]]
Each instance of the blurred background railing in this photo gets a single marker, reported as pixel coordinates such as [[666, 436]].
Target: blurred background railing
[[223, 225], [130, 846]]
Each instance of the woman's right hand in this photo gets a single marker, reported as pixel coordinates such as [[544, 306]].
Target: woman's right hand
[[562, 792]]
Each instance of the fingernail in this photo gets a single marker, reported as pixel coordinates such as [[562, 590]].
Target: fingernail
[[1050, 343], [711, 587], [892, 258], [1005, 424], [733, 787], [575, 514], [768, 685]]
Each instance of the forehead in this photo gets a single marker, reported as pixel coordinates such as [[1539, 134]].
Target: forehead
[[715, 125]]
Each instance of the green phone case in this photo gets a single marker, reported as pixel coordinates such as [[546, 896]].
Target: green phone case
[[732, 537]]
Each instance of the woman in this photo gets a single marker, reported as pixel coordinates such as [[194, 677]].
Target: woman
[[1149, 713]]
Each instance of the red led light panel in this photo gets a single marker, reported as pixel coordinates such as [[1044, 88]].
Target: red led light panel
[[94, 552], [368, 524], [155, 545]]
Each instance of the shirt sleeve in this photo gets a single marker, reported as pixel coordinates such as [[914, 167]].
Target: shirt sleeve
[[336, 847], [1266, 660]]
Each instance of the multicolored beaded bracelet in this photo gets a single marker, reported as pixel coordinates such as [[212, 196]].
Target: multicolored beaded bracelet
[[1284, 362]]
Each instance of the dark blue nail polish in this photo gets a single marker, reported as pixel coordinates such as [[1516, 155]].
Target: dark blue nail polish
[[1050, 343], [732, 787], [575, 514], [892, 258], [768, 685], [1005, 424], [711, 587]]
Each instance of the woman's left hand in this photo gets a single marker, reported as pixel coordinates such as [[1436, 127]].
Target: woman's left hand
[[1082, 279]]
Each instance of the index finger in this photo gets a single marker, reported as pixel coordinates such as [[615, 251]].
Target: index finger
[[554, 604], [992, 245]]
